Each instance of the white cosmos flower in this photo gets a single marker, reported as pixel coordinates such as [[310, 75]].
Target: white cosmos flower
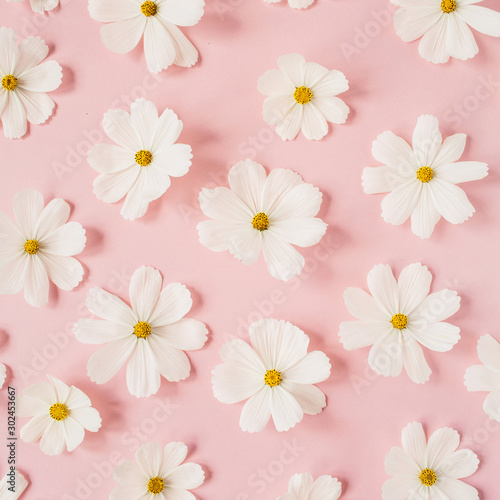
[[486, 377], [40, 6], [276, 374], [159, 473], [444, 26], [139, 167], [265, 214], [422, 181], [60, 416], [429, 470], [158, 21], [303, 487], [295, 4], [3, 374], [25, 81], [20, 485], [151, 336], [39, 248], [301, 96], [397, 317]]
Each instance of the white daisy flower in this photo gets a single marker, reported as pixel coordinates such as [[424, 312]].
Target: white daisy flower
[[25, 82], [303, 487], [486, 377], [159, 471], [3, 374], [39, 248], [139, 167], [40, 6], [295, 4], [60, 416], [158, 21], [301, 96], [425, 470], [397, 317], [444, 26], [151, 336], [422, 181], [260, 213], [20, 484], [276, 374]]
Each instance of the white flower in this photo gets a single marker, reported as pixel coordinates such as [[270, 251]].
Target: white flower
[[295, 4], [40, 6], [429, 470], [146, 156], [18, 483], [61, 414], [276, 374], [486, 377], [301, 96], [39, 248], [444, 26], [158, 472], [25, 80], [396, 317], [158, 21], [3, 374], [151, 336], [259, 213], [422, 181], [302, 487]]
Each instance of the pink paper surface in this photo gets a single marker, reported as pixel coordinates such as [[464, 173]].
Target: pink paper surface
[[390, 86]]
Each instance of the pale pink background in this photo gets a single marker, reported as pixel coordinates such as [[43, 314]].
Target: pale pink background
[[221, 109]]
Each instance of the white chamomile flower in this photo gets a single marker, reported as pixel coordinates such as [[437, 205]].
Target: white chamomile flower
[[422, 182], [295, 4], [302, 96], [157, 21], [429, 470], [265, 214], [486, 377], [303, 487], [12, 486], [397, 317], [40, 6], [151, 336], [276, 374], [39, 248], [3, 374], [25, 81], [444, 26], [159, 473], [60, 416], [144, 158]]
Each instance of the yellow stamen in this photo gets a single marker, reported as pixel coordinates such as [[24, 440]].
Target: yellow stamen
[[272, 378], [149, 8], [260, 221], [142, 330], [425, 174], [448, 6], [428, 477], [58, 411], [9, 82], [399, 321], [156, 485], [31, 247], [303, 95], [143, 158]]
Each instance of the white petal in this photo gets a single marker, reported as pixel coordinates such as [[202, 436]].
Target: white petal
[[66, 240], [276, 109], [279, 183], [159, 48], [36, 282], [283, 261], [74, 433], [136, 201], [326, 488], [173, 160], [246, 180], [303, 231], [186, 54], [97, 331], [426, 139], [399, 205], [32, 51], [273, 82], [433, 46], [414, 443], [384, 289], [310, 398], [303, 200], [149, 458], [129, 475], [239, 353], [53, 216], [110, 159], [451, 201], [33, 430], [314, 125], [112, 188], [334, 110], [173, 304], [394, 152], [123, 36], [463, 171], [38, 106], [113, 10], [172, 363], [459, 464], [414, 361], [458, 490], [12, 273], [488, 350], [173, 455], [400, 464], [143, 376], [411, 24], [386, 355], [481, 378], [460, 41], [182, 13], [315, 367], [414, 284], [28, 205], [285, 409], [245, 244], [232, 383], [363, 306], [65, 272], [186, 334], [492, 405], [440, 337], [222, 204], [257, 411], [168, 129], [45, 77], [145, 287], [451, 151], [300, 485], [110, 307], [425, 215], [381, 179], [484, 20], [8, 50], [117, 124], [437, 306], [290, 123], [333, 83], [292, 67], [53, 440], [3, 374], [441, 443], [398, 488], [358, 334], [186, 477]]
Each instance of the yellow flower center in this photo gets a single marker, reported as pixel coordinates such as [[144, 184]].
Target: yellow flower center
[[448, 6], [143, 157], [9, 82], [156, 485], [260, 221], [425, 174], [303, 95], [428, 477], [142, 330], [399, 321], [31, 247], [149, 8], [272, 378], [58, 411]]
